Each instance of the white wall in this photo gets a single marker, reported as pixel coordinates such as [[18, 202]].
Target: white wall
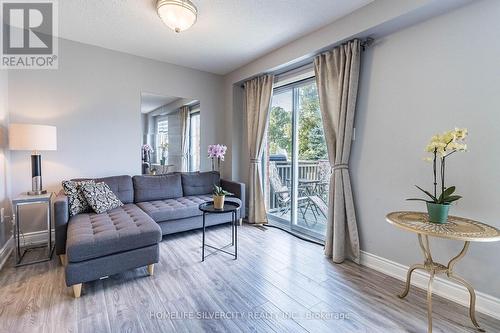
[[94, 99], [4, 158], [441, 73]]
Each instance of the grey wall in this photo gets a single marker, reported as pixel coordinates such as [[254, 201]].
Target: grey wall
[[94, 100], [378, 16], [427, 78], [423, 80], [4, 158], [144, 127]]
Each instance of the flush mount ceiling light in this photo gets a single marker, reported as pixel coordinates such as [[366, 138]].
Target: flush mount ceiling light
[[178, 15]]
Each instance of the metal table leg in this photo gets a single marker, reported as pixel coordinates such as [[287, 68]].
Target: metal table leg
[[234, 238], [203, 240], [18, 242], [235, 235], [434, 268], [50, 246], [232, 228], [49, 228]]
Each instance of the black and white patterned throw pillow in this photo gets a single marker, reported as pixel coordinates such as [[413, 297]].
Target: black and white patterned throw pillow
[[76, 200], [100, 197]]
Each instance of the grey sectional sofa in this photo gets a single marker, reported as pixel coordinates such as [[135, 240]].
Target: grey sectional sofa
[[96, 245]]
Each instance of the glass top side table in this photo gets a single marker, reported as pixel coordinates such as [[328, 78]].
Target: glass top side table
[[457, 228], [229, 207], [23, 200]]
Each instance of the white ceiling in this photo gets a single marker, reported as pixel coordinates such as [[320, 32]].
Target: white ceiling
[[150, 102], [227, 35]]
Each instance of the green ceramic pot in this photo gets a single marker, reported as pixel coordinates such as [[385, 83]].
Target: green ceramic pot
[[438, 213]]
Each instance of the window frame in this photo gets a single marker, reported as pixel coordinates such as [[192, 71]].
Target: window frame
[[162, 119], [194, 111]]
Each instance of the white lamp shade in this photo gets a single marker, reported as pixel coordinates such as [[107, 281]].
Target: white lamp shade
[[178, 15], [32, 137]]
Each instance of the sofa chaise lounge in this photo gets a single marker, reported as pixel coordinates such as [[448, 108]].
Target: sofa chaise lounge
[[92, 246]]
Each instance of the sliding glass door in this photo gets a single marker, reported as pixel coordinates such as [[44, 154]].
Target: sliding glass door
[[278, 158], [295, 160]]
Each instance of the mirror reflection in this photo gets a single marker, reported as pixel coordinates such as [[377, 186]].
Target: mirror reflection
[[171, 134]]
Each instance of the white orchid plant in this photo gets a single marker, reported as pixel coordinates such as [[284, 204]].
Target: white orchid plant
[[163, 147], [440, 147]]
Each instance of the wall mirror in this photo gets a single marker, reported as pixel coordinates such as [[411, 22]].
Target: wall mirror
[[170, 134]]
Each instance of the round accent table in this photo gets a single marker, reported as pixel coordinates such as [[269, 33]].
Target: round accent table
[[456, 228], [229, 207]]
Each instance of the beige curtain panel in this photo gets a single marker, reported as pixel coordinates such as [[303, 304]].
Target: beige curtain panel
[[337, 74], [184, 116], [258, 94]]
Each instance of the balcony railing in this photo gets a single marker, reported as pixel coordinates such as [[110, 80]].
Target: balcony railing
[[307, 170]]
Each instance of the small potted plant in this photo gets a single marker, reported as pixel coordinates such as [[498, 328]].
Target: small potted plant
[[442, 146], [219, 196]]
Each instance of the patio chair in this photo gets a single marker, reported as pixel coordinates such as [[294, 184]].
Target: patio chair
[[319, 205], [317, 199], [282, 194]]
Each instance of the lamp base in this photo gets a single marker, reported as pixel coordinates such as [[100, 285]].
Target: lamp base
[[37, 192], [36, 175]]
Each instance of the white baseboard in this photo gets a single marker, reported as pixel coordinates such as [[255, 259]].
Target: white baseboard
[[443, 287], [5, 251]]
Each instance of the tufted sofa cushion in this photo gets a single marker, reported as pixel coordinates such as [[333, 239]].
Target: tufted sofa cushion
[[147, 188], [121, 186], [120, 229], [199, 183], [179, 208]]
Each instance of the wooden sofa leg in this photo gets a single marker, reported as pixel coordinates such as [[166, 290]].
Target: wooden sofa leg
[[77, 290], [151, 269], [63, 259]]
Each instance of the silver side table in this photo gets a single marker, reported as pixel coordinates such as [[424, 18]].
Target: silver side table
[[24, 200]]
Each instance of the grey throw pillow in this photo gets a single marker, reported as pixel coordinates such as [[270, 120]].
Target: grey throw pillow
[[76, 200], [100, 197]]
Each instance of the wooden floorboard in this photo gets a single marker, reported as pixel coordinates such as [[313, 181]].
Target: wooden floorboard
[[278, 284]]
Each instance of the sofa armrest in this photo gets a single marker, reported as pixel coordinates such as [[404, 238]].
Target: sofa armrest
[[61, 219], [239, 191]]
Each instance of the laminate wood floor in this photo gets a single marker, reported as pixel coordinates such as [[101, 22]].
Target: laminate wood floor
[[278, 284]]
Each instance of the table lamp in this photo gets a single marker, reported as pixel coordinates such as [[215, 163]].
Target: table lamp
[[35, 138]]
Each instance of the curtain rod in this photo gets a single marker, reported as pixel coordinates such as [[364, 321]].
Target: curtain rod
[[365, 43]]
